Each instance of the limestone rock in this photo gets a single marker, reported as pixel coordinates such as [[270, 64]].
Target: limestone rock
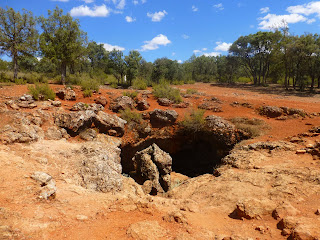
[[121, 103], [66, 94], [106, 122], [142, 105], [153, 164], [270, 111], [253, 208], [88, 134], [21, 133], [146, 230], [80, 106], [56, 133], [283, 210], [160, 118], [164, 102], [101, 100], [48, 185], [56, 103], [176, 216]]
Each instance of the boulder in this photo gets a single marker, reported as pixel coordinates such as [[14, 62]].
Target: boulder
[[210, 106], [56, 133], [160, 118], [270, 111], [106, 122], [47, 183], [66, 94], [142, 105], [101, 100], [80, 106], [164, 102], [121, 103], [56, 103], [12, 105], [21, 133], [253, 208], [74, 122], [88, 134], [101, 168], [153, 164]]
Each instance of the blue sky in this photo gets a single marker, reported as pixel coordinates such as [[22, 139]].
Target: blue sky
[[178, 28]]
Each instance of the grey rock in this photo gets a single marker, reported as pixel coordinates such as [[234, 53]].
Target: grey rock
[[160, 118], [41, 177], [47, 183], [105, 122], [121, 103], [101, 100], [88, 134], [66, 94], [270, 111], [80, 106], [164, 102], [56, 133], [142, 105], [56, 103]]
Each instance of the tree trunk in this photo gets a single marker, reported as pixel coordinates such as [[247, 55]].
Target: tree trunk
[[312, 83], [15, 67], [63, 73], [286, 80], [319, 82]]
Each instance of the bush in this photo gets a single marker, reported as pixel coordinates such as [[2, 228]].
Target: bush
[[130, 116], [89, 84], [133, 94], [178, 82], [20, 81], [165, 91], [41, 92], [194, 122], [140, 84], [192, 91], [253, 127], [87, 93]]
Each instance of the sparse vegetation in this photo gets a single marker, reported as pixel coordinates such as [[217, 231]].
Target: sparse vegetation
[[131, 94], [194, 121], [87, 93], [166, 91], [253, 127], [140, 84], [42, 92], [130, 116], [192, 91]]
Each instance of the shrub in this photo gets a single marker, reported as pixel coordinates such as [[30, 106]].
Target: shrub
[[165, 91], [20, 81], [87, 93], [194, 122], [41, 92], [253, 127], [178, 82], [140, 84], [133, 94], [130, 116], [89, 84], [192, 91]]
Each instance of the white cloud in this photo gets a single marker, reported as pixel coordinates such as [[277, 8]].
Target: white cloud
[[196, 51], [179, 61], [306, 9], [195, 9], [184, 36], [96, 11], [251, 26], [87, 1], [157, 16], [135, 2], [204, 49], [60, 0], [222, 46], [211, 54], [108, 47], [160, 40], [121, 4], [312, 20], [173, 54], [143, 1], [130, 19], [218, 6], [264, 10], [276, 21]]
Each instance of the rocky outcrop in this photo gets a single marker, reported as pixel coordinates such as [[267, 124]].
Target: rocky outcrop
[[281, 113], [80, 106], [161, 118], [56, 133], [26, 101], [88, 134], [101, 100], [164, 102], [121, 103], [100, 167], [154, 165], [142, 104], [66, 94], [108, 122], [47, 183]]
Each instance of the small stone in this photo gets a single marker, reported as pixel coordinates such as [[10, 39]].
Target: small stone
[[56, 103], [41, 177], [318, 211], [301, 151], [81, 217]]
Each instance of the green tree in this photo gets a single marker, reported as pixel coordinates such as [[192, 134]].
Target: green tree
[[62, 40], [18, 35], [118, 64], [133, 62]]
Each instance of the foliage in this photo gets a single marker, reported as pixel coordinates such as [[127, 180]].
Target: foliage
[[133, 62], [41, 92], [130, 116], [140, 84], [253, 127], [165, 91], [87, 93], [18, 35], [192, 91], [194, 121], [62, 40], [131, 94], [89, 84]]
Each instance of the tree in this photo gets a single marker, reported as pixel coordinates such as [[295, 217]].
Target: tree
[[118, 64], [62, 41], [18, 35], [133, 62]]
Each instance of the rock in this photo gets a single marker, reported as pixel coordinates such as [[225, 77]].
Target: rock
[[3, 107], [80, 106], [56, 103], [153, 164], [210, 106], [21, 133], [160, 118], [181, 105], [29, 105], [294, 111], [142, 105], [164, 102], [88, 134], [101, 169], [270, 111], [302, 232], [282, 118], [101, 100], [146, 230], [121, 103], [288, 223], [283, 210], [56, 133], [66, 94], [253, 208], [301, 151], [12, 105], [318, 211], [75, 122], [315, 129], [106, 122], [175, 216], [48, 185], [26, 97], [296, 140], [81, 218]]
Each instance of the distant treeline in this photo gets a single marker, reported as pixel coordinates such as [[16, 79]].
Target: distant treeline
[[62, 49]]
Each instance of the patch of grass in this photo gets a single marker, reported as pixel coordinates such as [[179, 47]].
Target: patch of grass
[[130, 116], [194, 121], [192, 91], [20, 81], [165, 91], [41, 92], [140, 84], [87, 93], [178, 82], [253, 127], [130, 94], [243, 80]]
